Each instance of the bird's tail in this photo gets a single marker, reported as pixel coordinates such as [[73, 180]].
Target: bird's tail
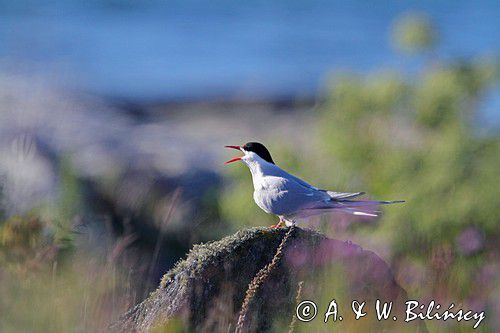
[[354, 207], [363, 207]]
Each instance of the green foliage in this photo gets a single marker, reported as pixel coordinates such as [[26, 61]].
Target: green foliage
[[70, 203], [46, 288], [21, 239], [47, 285], [79, 296], [418, 143], [414, 33]]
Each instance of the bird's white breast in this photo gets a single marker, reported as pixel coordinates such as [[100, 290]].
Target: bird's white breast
[[266, 192]]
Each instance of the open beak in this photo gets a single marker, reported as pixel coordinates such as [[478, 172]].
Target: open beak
[[233, 159]]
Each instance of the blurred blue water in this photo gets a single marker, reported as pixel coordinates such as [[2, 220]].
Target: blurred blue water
[[182, 49]]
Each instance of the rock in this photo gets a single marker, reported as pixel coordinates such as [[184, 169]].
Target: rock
[[206, 291]]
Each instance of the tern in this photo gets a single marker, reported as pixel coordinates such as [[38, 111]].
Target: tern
[[290, 198]]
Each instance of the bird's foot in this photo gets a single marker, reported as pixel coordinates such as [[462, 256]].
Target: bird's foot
[[279, 225]]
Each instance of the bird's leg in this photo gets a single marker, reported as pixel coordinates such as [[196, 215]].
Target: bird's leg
[[280, 223]]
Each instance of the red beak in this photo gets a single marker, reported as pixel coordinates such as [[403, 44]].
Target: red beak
[[233, 159]]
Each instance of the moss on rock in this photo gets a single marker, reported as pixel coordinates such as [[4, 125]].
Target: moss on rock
[[205, 291]]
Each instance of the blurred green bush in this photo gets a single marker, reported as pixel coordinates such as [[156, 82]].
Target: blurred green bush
[[414, 33]]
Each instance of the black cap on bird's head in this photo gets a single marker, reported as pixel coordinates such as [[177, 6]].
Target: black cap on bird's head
[[256, 147]]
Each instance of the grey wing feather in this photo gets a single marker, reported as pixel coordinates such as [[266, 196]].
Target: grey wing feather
[[343, 195], [332, 194], [284, 174]]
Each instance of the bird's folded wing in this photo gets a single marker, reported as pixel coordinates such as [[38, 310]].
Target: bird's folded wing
[[333, 195]]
